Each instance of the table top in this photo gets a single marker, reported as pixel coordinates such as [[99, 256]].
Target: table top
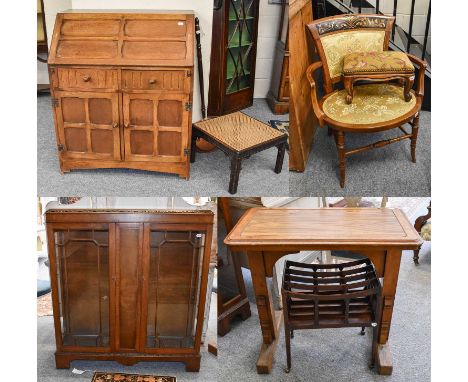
[[238, 131], [323, 228]]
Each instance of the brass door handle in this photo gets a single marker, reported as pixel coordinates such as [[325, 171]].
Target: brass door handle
[[115, 125], [152, 81], [86, 78], [126, 125]]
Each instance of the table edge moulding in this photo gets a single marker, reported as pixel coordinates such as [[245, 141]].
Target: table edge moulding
[[124, 278], [322, 229]]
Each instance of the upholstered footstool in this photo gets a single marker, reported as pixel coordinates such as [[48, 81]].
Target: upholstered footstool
[[377, 66], [239, 136]]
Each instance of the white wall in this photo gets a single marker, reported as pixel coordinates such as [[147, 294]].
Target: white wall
[[268, 29]]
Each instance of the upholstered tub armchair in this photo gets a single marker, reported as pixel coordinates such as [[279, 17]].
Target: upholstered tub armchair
[[376, 106]]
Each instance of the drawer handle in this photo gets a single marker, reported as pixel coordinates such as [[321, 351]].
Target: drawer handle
[[86, 78], [115, 125], [152, 81]]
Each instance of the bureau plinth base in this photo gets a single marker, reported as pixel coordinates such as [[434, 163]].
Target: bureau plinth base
[[63, 360], [182, 169]]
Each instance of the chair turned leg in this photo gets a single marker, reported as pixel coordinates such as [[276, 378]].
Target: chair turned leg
[[193, 148], [341, 156], [287, 335], [416, 256], [280, 157], [363, 331], [235, 170], [414, 137]]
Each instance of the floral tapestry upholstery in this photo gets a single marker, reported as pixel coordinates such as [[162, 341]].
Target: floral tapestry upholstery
[[426, 231], [337, 46], [377, 62], [372, 103]]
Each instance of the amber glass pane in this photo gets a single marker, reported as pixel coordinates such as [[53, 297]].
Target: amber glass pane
[[83, 279], [100, 111], [174, 281], [73, 110]]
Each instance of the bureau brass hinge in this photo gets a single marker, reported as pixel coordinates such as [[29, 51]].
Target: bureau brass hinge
[[55, 102], [188, 106], [60, 147], [186, 151]]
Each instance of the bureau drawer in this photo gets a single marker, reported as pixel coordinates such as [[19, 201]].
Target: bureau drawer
[[173, 80], [87, 79]]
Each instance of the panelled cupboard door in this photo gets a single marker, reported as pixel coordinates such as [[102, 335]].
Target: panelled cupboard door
[[88, 125], [81, 267], [156, 126], [173, 262]]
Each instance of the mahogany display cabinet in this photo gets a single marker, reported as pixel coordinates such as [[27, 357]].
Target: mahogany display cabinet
[[129, 285], [233, 55], [122, 89]]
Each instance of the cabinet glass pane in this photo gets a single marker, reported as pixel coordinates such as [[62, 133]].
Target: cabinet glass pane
[[82, 258], [174, 281], [240, 42]]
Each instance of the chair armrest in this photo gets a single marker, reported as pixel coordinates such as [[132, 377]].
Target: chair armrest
[[313, 91], [422, 65]]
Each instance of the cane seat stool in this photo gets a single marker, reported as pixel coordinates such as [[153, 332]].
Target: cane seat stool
[[239, 136], [319, 296], [377, 66], [375, 107]]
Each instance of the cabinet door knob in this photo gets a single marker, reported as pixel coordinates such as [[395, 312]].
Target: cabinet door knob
[[115, 125], [86, 78], [126, 125], [152, 81]]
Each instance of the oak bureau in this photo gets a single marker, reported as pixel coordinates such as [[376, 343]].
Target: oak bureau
[[121, 86]]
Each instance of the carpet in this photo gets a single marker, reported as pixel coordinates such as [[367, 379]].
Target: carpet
[[282, 126], [120, 377], [382, 171]]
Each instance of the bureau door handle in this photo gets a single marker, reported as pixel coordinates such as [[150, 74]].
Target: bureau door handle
[[126, 125], [115, 125], [86, 78], [152, 81]]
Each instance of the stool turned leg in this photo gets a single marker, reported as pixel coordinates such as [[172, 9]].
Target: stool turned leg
[[287, 336], [235, 170], [408, 86], [292, 333], [414, 137], [280, 157], [193, 147], [363, 331], [329, 131], [348, 85], [341, 156]]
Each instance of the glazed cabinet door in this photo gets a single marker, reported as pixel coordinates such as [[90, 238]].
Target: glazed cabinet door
[[156, 126], [81, 267], [88, 125], [173, 263]]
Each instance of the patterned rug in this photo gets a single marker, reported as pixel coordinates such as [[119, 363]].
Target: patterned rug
[[282, 126], [121, 377]]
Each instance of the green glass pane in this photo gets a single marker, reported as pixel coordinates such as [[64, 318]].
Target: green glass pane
[[238, 69], [240, 33]]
